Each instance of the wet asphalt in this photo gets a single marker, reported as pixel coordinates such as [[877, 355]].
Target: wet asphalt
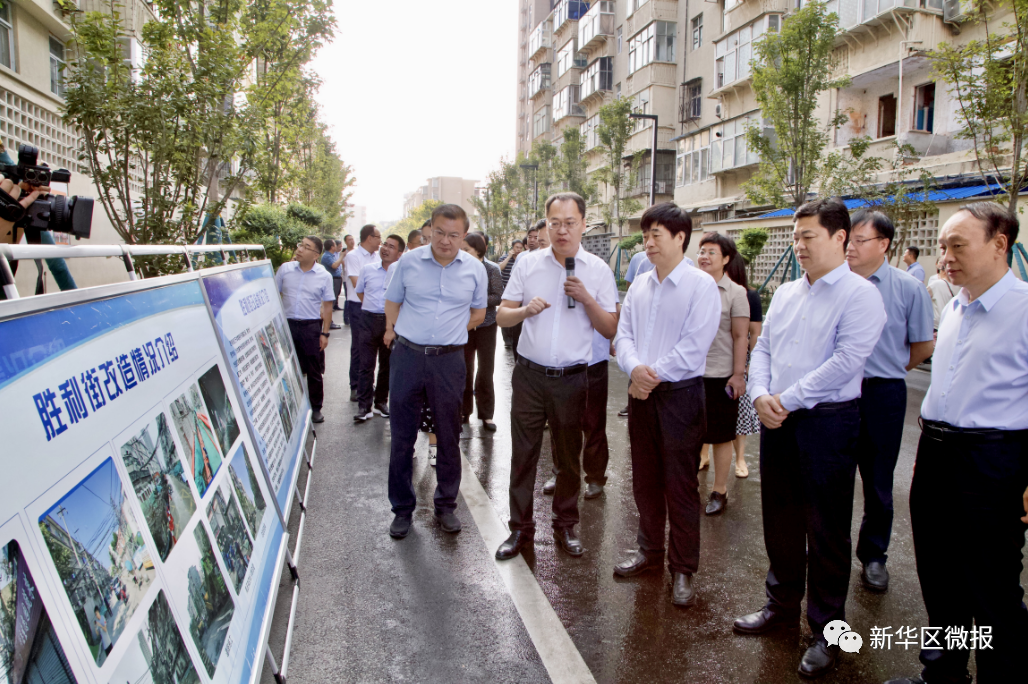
[[433, 608]]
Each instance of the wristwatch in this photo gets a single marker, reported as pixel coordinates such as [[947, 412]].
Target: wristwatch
[[324, 334]]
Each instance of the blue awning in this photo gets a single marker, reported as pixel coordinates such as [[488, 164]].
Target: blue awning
[[947, 195]]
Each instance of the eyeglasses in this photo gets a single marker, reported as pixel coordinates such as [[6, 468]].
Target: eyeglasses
[[439, 235], [709, 252], [570, 224], [866, 240]]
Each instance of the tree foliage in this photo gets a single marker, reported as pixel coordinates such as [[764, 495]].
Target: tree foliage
[[614, 130], [751, 243], [276, 228], [415, 220]]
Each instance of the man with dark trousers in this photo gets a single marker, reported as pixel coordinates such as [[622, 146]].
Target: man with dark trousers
[[560, 313], [306, 290], [443, 292], [969, 497], [805, 376], [357, 259], [332, 260], [670, 317], [905, 342], [371, 288]]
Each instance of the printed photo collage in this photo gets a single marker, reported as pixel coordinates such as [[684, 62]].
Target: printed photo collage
[[151, 585], [276, 347]]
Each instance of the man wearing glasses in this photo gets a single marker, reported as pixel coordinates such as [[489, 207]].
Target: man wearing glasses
[[560, 313], [307, 296], [443, 292]]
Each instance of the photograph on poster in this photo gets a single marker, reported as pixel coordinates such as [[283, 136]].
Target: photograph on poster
[[248, 489], [283, 412], [276, 344], [229, 532], [289, 391], [160, 482], [284, 336], [223, 418], [271, 363], [209, 603], [98, 551], [157, 654], [196, 432], [29, 649]]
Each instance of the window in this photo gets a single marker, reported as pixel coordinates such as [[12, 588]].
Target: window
[[665, 173], [56, 67], [886, 116], [590, 132], [539, 80], [566, 103], [617, 91], [734, 52], [695, 95], [729, 150], [641, 105], [693, 160], [619, 40], [6, 36], [655, 43], [569, 58], [634, 5], [541, 122], [697, 31], [599, 76], [924, 108]]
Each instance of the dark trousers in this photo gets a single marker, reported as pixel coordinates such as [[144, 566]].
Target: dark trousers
[[372, 350], [516, 337], [337, 287], [965, 510], [666, 432], [481, 342], [307, 340], [508, 336], [536, 400], [883, 407], [596, 450], [808, 468], [354, 310], [412, 377]]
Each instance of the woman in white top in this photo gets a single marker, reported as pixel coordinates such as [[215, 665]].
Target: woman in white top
[[941, 290]]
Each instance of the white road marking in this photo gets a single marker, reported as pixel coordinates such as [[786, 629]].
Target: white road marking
[[561, 658]]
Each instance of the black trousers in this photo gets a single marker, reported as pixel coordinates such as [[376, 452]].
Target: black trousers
[[307, 340], [354, 311], [883, 407], [965, 510], [536, 400], [596, 450], [481, 343], [516, 337], [808, 468], [372, 350], [666, 433], [337, 287], [412, 377]]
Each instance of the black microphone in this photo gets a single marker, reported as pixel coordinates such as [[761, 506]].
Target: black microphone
[[569, 265]]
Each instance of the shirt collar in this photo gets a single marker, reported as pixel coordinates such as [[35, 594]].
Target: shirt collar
[[725, 283], [427, 254], [363, 251], [993, 294], [830, 278], [675, 275], [880, 274], [550, 255]]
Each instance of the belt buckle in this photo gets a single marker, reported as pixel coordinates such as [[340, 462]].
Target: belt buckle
[[432, 351], [554, 372]]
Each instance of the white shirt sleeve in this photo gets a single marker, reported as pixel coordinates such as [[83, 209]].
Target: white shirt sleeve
[[624, 342]]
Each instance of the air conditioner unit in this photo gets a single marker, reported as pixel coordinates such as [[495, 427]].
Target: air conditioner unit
[[956, 11], [719, 110]]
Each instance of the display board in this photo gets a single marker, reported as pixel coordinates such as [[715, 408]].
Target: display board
[[138, 537]]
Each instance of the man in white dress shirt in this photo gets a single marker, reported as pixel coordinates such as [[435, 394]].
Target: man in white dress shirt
[[969, 497], [560, 312], [356, 260], [805, 377], [668, 321]]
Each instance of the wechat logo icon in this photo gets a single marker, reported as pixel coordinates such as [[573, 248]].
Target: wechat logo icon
[[838, 633]]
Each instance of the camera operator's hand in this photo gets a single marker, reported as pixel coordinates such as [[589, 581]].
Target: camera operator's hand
[[7, 233]]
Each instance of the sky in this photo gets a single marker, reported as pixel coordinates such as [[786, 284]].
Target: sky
[[413, 89]]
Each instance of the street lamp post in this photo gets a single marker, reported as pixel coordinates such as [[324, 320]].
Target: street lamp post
[[535, 181], [653, 156]]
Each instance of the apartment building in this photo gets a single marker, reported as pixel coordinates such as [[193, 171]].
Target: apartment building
[[688, 62], [445, 189], [358, 220]]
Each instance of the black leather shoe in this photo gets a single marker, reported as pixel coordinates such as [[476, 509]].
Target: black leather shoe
[[623, 412], [489, 426], [400, 527], [819, 659], [569, 541], [717, 503], [517, 541], [316, 417], [637, 564], [449, 522], [875, 577], [764, 620], [550, 486], [593, 490], [682, 592]]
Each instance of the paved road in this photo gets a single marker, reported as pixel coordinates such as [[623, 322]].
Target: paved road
[[437, 608]]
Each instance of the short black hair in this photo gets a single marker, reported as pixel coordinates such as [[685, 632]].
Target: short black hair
[[317, 242], [517, 242], [329, 243], [831, 213], [426, 224], [997, 219], [399, 241], [736, 270], [367, 231], [476, 242], [413, 235], [348, 237], [539, 225], [483, 234], [567, 197], [669, 215], [916, 251], [879, 221], [452, 212], [723, 242]]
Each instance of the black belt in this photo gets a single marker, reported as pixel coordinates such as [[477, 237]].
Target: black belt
[[882, 381], [551, 372], [681, 384], [829, 406], [305, 321], [372, 313], [429, 351], [939, 431]]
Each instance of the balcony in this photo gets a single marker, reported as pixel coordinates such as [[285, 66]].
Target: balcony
[[539, 81], [596, 25], [664, 187], [566, 103], [540, 39], [598, 78], [568, 10]]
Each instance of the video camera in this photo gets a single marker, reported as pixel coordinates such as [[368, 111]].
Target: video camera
[[73, 215]]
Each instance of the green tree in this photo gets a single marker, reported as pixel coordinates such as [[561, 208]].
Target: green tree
[[273, 227], [323, 181], [415, 220], [570, 165], [989, 80], [614, 131], [751, 244]]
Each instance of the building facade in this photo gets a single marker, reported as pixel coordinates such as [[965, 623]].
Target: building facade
[[445, 189]]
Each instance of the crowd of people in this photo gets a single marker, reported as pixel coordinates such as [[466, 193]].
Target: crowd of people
[[821, 376]]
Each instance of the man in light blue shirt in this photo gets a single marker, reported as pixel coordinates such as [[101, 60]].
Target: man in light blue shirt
[[371, 288], [443, 292], [805, 377], [905, 342], [969, 496], [910, 257]]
